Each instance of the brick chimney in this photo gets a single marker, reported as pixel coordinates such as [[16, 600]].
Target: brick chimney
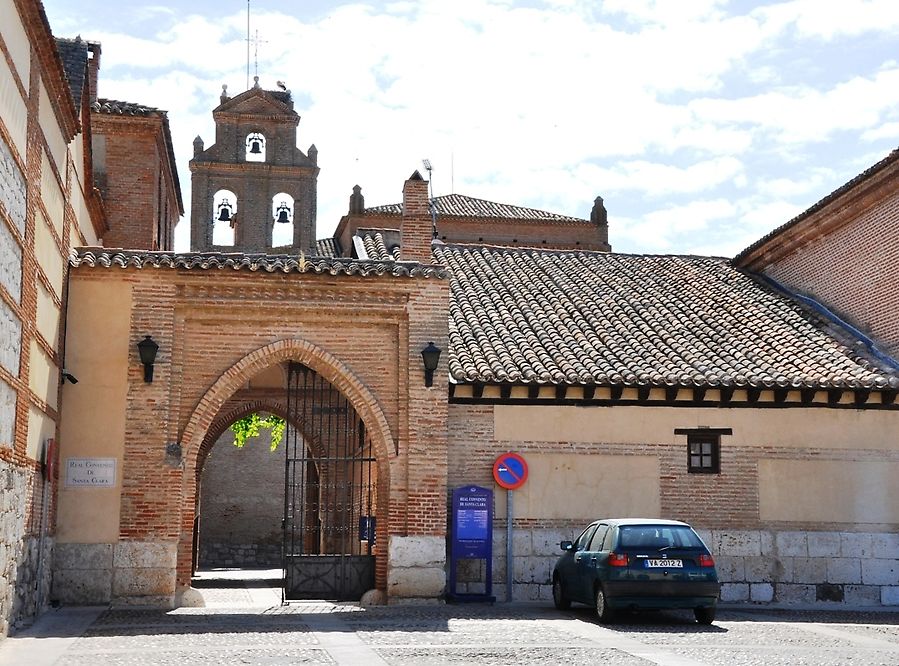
[[416, 229], [93, 68]]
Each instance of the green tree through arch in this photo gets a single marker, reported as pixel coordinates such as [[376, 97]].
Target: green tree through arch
[[250, 426]]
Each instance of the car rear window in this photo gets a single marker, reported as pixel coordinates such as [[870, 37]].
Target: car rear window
[[658, 536]]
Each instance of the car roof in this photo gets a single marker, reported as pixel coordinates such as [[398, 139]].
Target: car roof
[[640, 521]]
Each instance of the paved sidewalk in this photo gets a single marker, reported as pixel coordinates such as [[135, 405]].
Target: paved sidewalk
[[244, 623]]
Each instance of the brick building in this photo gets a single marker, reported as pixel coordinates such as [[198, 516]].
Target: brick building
[[828, 252], [683, 387], [47, 206], [49, 203]]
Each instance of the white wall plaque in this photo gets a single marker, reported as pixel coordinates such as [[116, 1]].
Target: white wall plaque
[[90, 472]]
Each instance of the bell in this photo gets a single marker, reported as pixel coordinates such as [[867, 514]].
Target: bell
[[282, 214], [255, 147], [224, 212]]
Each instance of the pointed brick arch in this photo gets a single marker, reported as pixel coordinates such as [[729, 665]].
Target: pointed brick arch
[[206, 415]]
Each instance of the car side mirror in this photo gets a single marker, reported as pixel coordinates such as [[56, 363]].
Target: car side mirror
[[565, 545]]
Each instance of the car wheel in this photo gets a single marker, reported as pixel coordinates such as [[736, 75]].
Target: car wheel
[[560, 601], [705, 615], [603, 612]]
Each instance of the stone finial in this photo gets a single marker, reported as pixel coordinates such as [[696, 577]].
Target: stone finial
[[313, 154], [198, 145], [598, 215], [600, 218], [255, 81], [357, 201], [224, 96]]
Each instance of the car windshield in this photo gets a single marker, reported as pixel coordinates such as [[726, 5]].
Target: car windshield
[[658, 536]]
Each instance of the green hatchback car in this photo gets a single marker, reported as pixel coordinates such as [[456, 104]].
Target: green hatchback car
[[637, 564]]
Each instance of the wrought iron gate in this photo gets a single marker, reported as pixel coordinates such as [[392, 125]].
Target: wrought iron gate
[[329, 493]]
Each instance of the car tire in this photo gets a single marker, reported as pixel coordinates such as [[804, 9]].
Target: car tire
[[603, 612], [705, 615], [560, 601]]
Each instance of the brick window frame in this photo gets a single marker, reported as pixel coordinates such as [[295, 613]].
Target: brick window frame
[[703, 449]]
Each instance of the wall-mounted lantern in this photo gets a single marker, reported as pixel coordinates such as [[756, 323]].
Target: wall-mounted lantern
[[431, 357], [147, 348]]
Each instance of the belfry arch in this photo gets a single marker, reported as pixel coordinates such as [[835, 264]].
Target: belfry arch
[[208, 419]]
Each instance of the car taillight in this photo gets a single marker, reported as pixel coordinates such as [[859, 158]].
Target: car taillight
[[706, 561], [617, 560]]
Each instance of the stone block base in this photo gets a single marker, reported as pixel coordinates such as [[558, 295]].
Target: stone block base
[[416, 567], [124, 573]]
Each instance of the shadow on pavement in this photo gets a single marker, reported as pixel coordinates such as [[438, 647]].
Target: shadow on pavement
[[662, 622]]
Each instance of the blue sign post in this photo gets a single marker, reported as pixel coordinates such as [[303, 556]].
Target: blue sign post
[[472, 538]]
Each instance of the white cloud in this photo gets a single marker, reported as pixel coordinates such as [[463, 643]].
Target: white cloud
[[663, 11], [804, 114], [654, 179], [544, 105], [785, 187], [656, 230], [885, 131], [829, 20]]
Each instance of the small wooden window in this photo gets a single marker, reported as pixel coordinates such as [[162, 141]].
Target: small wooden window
[[704, 453]]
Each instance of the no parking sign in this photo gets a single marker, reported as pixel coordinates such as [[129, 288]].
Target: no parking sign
[[510, 471]]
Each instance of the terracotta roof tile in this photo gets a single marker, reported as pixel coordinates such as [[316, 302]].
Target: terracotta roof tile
[[378, 246], [119, 108], [73, 53], [268, 263], [459, 205], [327, 247], [566, 317]]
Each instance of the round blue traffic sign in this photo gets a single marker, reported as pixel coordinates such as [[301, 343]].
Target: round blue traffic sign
[[510, 471]]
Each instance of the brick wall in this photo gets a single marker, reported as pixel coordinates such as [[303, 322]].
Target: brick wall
[[242, 504], [38, 126], [137, 190], [795, 562], [851, 271], [216, 330]]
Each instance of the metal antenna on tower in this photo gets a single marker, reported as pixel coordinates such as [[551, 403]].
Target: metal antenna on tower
[[256, 43], [431, 205]]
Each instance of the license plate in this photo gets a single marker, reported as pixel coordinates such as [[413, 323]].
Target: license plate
[[670, 564]]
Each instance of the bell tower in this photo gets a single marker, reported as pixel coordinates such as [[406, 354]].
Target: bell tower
[[253, 190]]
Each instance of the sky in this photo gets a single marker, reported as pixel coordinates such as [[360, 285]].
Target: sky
[[703, 124]]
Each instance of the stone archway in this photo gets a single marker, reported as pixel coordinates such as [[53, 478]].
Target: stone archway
[[209, 408]]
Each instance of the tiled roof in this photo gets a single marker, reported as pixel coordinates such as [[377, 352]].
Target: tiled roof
[[119, 108], [376, 247], [327, 247], [268, 263], [566, 317], [863, 176], [73, 53], [459, 205]]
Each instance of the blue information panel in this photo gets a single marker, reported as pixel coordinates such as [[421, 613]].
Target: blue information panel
[[472, 536], [367, 529]]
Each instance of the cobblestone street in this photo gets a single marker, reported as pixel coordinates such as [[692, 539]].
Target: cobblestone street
[[244, 623]]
